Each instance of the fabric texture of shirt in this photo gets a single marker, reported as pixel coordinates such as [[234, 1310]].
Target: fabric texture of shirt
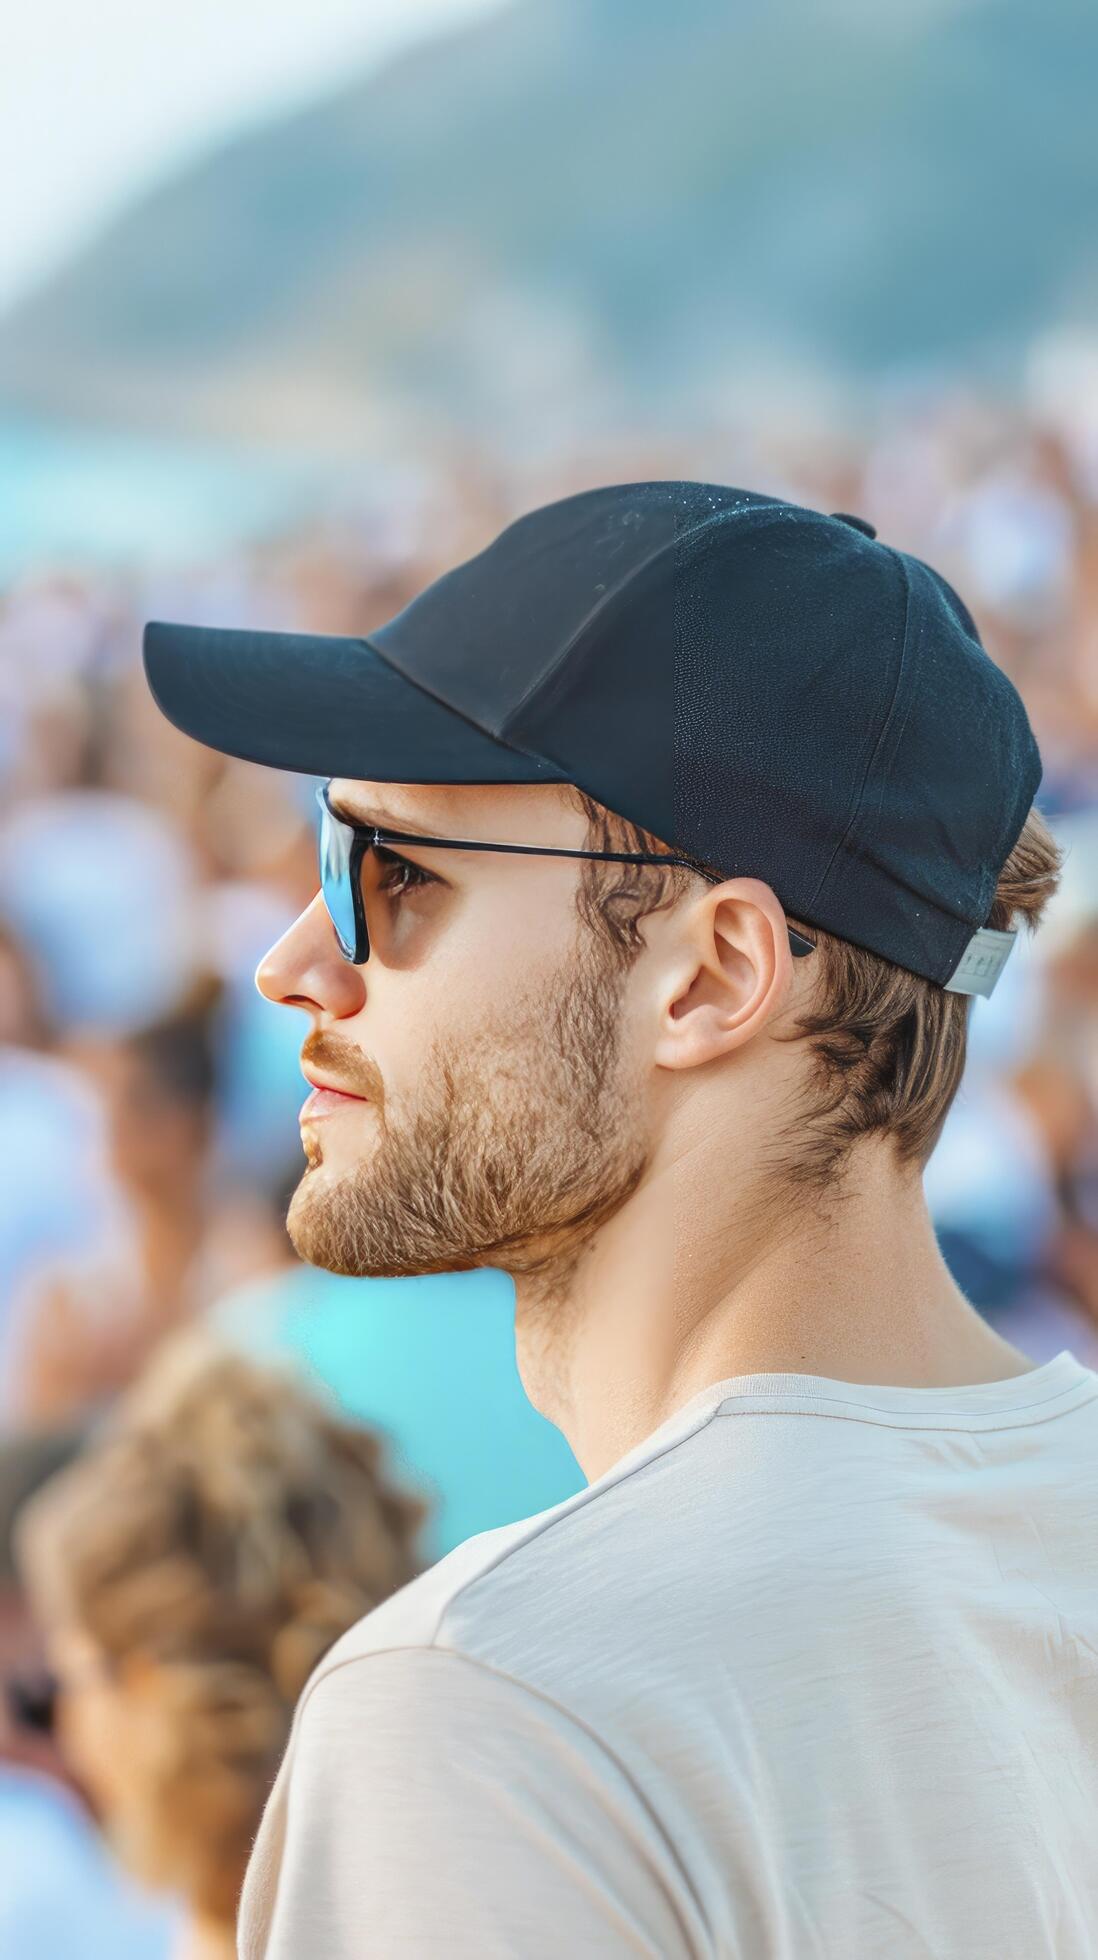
[[811, 1672]]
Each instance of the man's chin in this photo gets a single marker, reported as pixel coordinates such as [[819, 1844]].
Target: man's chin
[[325, 1225]]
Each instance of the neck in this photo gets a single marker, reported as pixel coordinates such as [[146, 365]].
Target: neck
[[206, 1939], [688, 1285]]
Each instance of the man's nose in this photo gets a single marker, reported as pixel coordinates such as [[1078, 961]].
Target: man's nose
[[305, 968]]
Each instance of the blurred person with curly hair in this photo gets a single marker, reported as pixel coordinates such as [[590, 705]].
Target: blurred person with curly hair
[[62, 1894], [189, 1571]]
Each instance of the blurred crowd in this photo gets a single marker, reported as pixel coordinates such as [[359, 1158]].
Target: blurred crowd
[[149, 1096]]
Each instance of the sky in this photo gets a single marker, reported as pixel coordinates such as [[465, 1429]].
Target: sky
[[96, 101]]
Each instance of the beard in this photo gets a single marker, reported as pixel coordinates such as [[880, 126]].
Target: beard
[[514, 1149]]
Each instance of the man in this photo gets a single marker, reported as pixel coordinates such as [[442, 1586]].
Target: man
[[663, 846]]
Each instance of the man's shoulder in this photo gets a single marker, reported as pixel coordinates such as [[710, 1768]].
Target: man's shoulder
[[514, 1597], [420, 1614]]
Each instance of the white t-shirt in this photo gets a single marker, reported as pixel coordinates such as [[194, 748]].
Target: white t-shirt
[[813, 1671]]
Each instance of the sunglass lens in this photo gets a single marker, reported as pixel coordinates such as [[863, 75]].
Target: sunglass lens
[[336, 841]]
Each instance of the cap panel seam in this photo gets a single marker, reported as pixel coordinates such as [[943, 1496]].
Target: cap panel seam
[[541, 689], [960, 929], [899, 713], [855, 815], [413, 680]]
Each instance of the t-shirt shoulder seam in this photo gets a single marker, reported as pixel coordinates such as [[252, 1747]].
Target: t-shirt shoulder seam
[[527, 1690], [578, 1503], [555, 1518]]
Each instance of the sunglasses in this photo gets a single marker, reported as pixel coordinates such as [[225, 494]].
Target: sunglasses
[[343, 846], [31, 1698]]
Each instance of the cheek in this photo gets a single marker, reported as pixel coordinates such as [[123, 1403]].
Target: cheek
[[513, 951], [481, 977], [92, 1733], [439, 1005]]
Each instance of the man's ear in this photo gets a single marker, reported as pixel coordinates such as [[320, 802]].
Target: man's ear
[[728, 970]]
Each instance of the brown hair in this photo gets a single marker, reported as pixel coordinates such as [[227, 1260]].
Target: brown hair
[[229, 1528], [887, 1047]]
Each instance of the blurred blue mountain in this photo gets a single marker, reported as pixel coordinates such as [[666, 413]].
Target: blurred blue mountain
[[578, 206]]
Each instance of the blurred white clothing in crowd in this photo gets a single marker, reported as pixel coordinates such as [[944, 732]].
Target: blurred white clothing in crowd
[[102, 889], [57, 1190]]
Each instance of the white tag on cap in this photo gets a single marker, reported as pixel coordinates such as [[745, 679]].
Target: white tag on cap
[[981, 963]]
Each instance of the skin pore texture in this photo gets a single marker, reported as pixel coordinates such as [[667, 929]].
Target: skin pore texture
[[603, 1133]]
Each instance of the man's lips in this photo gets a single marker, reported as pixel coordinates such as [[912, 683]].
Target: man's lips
[[325, 1101]]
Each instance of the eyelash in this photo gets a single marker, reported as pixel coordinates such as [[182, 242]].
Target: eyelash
[[413, 874]]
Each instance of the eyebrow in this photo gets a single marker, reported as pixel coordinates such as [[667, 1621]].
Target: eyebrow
[[372, 818]]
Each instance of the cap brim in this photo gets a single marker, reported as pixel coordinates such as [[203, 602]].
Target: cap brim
[[321, 705]]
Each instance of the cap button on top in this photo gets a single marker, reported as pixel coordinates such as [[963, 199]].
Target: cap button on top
[[859, 523]]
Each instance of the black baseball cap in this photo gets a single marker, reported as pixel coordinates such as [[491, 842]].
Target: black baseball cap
[[767, 688]]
